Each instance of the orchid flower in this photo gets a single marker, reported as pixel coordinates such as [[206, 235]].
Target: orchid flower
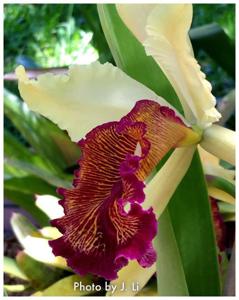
[[107, 218]]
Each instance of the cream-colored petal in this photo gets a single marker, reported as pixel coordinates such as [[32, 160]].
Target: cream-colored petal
[[164, 34], [135, 17], [50, 206], [162, 187], [219, 171], [39, 249], [221, 142], [87, 96], [169, 44], [212, 167]]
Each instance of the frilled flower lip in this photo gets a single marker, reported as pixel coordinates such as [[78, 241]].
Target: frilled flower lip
[[104, 224]]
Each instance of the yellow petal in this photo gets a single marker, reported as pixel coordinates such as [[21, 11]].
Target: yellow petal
[[208, 157], [219, 171], [132, 273], [50, 232], [87, 96], [14, 288], [220, 195], [165, 38], [221, 142]]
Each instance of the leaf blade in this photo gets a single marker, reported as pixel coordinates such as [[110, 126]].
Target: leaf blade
[[169, 263], [195, 215]]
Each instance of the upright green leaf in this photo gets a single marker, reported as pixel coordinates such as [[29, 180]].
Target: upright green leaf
[[202, 274], [170, 276], [14, 148], [190, 213]]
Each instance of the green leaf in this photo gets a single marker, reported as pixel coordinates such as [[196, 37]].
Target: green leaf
[[14, 149], [149, 290], [22, 227], [170, 273], [65, 287], [39, 274], [189, 208], [30, 185], [192, 222], [11, 171], [22, 191], [55, 146], [58, 180], [227, 210], [11, 268], [229, 217], [212, 37], [27, 202], [223, 184]]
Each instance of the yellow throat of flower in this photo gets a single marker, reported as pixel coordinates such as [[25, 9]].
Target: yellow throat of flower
[[193, 136]]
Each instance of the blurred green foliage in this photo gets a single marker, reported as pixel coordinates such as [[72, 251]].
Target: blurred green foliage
[[52, 35], [223, 14]]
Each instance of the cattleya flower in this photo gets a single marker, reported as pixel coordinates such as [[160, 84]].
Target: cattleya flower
[[107, 220]]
